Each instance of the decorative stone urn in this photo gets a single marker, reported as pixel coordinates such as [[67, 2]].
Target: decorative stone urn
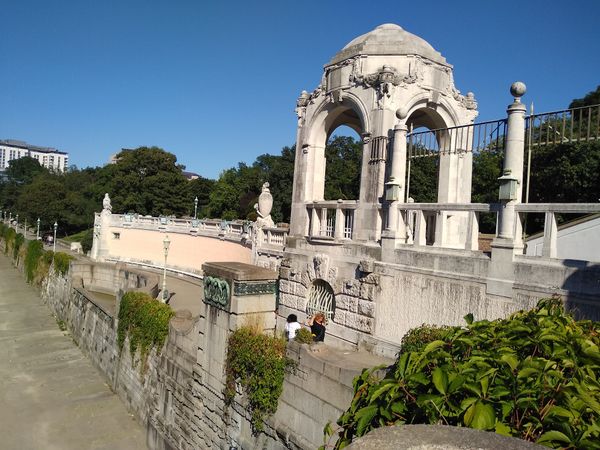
[[264, 207]]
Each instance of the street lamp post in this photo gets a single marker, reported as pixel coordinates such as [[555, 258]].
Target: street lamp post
[[54, 242], [37, 235], [17, 224], [195, 207], [25, 229], [165, 294]]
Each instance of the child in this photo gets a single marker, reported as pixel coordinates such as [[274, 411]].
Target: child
[[292, 326]]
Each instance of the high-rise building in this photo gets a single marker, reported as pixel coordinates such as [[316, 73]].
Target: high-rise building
[[48, 157]]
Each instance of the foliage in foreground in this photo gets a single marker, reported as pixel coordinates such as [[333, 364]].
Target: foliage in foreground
[[533, 376], [257, 362], [417, 338], [146, 321]]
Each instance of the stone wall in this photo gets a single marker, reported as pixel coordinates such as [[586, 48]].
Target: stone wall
[[180, 396], [376, 302]]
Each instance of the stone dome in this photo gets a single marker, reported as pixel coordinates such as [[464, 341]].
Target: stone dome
[[389, 39]]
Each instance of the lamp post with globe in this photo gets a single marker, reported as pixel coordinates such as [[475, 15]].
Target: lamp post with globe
[[54, 242], [165, 293]]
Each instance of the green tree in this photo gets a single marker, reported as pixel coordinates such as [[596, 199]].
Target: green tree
[[343, 165], [200, 188], [24, 170], [146, 180], [591, 98], [424, 179]]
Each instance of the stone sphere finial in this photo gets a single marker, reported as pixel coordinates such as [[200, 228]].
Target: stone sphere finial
[[401, 113], [518, 89]]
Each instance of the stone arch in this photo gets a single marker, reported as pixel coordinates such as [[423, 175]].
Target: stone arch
[[442, 116], [454, 174], [327, 117]]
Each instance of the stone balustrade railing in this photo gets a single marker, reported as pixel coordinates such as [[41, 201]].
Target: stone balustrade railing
[[233, 230], [272, 237], [422, 224], [331, 219], [550, 210]]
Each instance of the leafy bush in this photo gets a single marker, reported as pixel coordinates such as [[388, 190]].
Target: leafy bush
[[304, 336], [61, 262], [146, 321], [18, 243], [87, 240], [417, 338], [35, 251], [258, 363], [532, 376], [9, 238]]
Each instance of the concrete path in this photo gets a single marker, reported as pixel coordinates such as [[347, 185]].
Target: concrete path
[[51, 397]]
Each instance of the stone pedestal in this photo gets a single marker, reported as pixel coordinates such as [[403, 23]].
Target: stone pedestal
[[246, 292]]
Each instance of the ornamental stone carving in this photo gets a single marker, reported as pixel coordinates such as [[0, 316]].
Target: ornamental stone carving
[[216, 292], [263, 207], [106, 206]]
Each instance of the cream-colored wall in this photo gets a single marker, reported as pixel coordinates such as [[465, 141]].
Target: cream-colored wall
[[185, 252]]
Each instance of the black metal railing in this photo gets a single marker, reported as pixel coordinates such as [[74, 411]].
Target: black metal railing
[[454, 140], [566, 126]]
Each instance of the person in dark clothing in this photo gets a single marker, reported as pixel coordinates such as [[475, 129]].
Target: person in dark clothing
[[317, 327]]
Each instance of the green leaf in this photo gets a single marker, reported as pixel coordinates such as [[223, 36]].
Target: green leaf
[[550, 436], [440, 380], [381, 390], [480, 416], [511, 360], [527, 372], [503, 429], [433, 346], [364, 416], [469, 318]]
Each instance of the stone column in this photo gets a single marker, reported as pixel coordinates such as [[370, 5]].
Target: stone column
[[509, 228], [397, 176], [508, 241]]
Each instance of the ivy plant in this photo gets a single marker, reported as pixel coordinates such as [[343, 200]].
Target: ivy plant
[[146, 321], [257, 362], [534, 376]]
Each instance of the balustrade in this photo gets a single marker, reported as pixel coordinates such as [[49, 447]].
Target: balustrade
[[332, 220], [549, 245], [428, 223]]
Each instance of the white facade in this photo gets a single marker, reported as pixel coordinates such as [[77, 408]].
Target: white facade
[[48, 157]]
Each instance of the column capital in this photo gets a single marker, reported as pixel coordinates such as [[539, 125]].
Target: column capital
[[401, 126]]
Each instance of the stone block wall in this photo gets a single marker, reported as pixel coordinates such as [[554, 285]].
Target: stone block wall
[[377, 302], [180, 397]]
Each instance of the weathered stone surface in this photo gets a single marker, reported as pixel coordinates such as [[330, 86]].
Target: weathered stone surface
[[366, 308], [52, 396], [238, 271], [437, 437]]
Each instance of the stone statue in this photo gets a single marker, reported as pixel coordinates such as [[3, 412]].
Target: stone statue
[[106, 203], [263, 207]]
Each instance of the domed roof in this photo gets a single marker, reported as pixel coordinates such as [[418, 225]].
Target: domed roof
[[389, 39]]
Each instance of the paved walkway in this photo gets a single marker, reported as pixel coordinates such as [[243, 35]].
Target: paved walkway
[[51, 397]]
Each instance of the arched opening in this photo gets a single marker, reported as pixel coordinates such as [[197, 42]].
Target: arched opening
[[343, 155], [343, 121], [321, 299]]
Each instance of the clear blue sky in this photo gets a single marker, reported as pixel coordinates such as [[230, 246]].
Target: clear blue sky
[[216, 82]]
